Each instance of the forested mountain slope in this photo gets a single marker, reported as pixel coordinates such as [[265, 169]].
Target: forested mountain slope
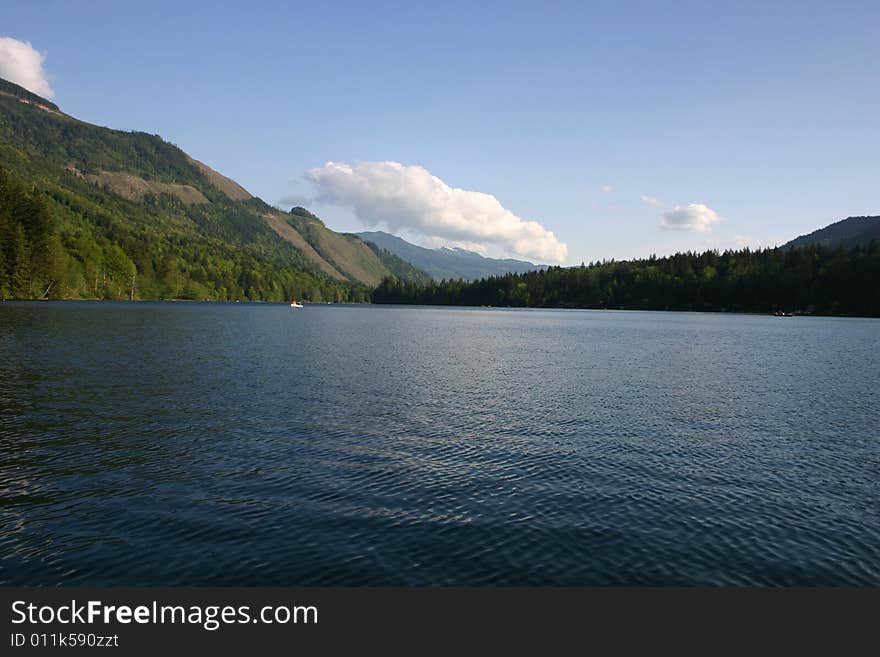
[[91, 212], [849, 232]]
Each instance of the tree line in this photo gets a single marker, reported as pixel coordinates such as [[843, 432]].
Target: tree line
[[809, 280]]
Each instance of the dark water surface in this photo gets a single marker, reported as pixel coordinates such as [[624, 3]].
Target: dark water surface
[[178, 443]]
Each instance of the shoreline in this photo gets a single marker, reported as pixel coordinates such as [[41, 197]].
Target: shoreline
[[416, 305]]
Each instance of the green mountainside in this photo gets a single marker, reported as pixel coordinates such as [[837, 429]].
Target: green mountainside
[[91, 212], [448, 263], [847, 233]]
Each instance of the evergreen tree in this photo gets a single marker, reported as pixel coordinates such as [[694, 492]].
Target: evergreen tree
[[4, 276], [20, 276]]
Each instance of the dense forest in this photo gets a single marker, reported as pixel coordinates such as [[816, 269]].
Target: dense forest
[[810, 280], [31, 256]]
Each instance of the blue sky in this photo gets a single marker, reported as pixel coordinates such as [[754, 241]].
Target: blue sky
[[767, 113]]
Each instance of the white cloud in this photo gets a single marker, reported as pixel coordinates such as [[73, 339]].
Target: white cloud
[[606, 188], [695, 217], [742, 241], [22, 64], [409, 198], [653, 202]]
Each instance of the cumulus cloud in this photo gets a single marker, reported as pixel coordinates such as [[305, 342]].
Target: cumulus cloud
[[411, 199], [22, 64], [695, 217], [653, 202], [606, 188]]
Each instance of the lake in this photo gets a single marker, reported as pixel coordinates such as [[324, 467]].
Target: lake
[[255, 444]]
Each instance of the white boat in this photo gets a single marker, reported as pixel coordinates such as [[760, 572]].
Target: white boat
[[295, 304]]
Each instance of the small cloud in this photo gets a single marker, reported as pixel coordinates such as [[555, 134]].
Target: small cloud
[[696, 217], [653, 202], [411, 199], [742, 241], [22, 64], [606, 188]]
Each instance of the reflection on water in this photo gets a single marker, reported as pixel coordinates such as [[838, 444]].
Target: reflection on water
[[151, 443]]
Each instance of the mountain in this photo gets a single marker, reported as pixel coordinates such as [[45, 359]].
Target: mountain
[[348, 254], [850, 232], [92, 212], [447, 263]]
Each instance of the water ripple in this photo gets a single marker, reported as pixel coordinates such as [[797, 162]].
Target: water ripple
[[211, 444]]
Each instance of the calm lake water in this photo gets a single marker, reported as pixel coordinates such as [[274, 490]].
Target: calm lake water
[[238, 444]]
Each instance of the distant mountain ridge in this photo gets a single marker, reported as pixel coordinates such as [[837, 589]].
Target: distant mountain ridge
[[847, 233], [448, 263]]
